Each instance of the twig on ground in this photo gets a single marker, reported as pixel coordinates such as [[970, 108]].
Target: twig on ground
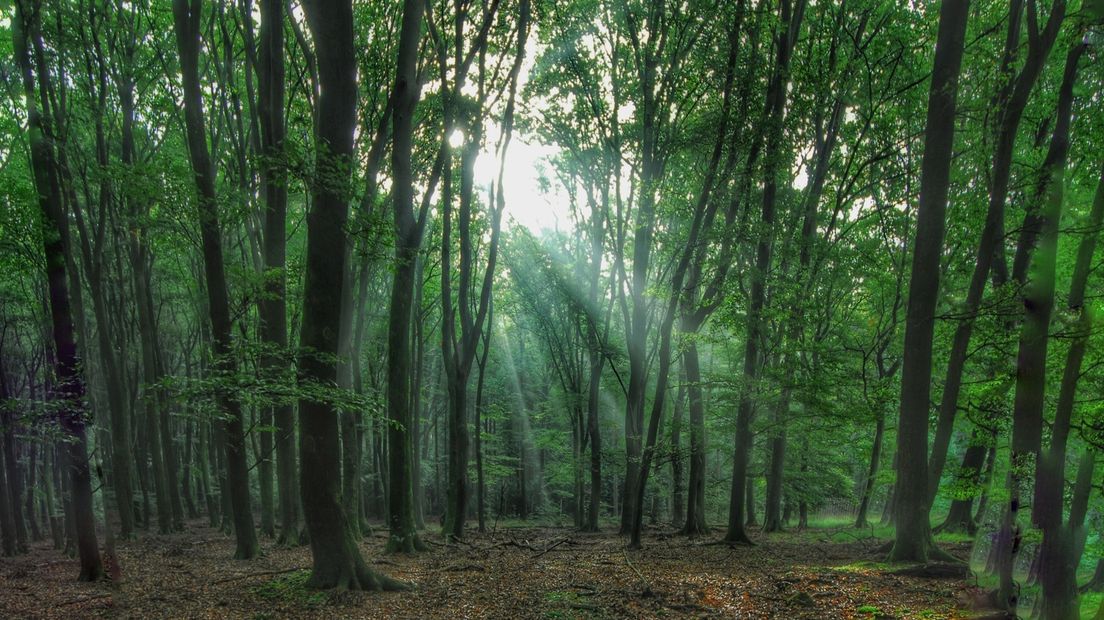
[[259, 574], [647, 586], [84, 599], [553, 546]]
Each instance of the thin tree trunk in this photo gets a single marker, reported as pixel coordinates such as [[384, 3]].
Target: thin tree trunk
[[871, 472], [1010, 110], [8, 540], [187, 16], [695, 488], [788, 29], [1031, 363], [408, 237]]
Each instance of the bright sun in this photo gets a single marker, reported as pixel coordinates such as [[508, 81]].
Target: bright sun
[[533, 200]]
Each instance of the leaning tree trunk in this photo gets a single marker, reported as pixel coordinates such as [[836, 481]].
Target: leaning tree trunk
[[1031, 363], [914, 540], [871, 472], [1011, 104], [187, 16], [1059, 555]]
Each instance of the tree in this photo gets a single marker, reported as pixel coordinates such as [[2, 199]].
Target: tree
[[69, 389], [187, 17], [913, 539], [273, 308], [337, 560]]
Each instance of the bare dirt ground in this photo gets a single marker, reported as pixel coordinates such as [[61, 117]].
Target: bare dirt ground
[[514, 573]]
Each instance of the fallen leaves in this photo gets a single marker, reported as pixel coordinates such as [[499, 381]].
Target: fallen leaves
[[515, 573]]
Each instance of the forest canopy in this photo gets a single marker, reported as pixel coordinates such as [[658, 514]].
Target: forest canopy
[[761, 275]]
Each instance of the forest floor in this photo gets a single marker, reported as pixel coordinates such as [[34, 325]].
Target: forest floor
[[515, 572]]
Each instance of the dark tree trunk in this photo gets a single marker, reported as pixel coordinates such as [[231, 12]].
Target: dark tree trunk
[[871, 472], [69, 388], [337, 560], [913, 537], [695, 488], [986, 482], [960, 517], [273, 308], [752, 519], [186, 480], [187, 16], [1031, 366], [678, 501], [480, 488], [1060, 553], [1011, 104], [788, 29], [8, 539], [408, 238]]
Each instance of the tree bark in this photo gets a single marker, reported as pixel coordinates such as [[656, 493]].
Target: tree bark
[[1059, 554], [273, 308], [337, 560]]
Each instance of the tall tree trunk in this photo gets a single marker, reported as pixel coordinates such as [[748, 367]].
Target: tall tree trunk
[[69, 388], [1010, 110], [408, 239], [914, 540], [986, 481], [788, 29], [187, 17], [1031, 363], [678, 502], [273, 309], [337, 560], [871, 472], [1059, 555], [8, 543], [695, 487], [480, 488]]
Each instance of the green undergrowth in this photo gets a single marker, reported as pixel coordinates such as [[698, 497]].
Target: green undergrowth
[[568, 605], [291, 588], [864, 566]]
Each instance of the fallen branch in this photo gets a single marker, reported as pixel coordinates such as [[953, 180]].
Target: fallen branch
[[259, 574], [647, 586], [84, 599], [935, 570], [513, 543], [565, 540], [460, 568]]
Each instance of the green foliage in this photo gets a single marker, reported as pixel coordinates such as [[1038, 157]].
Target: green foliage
[[292, 588]]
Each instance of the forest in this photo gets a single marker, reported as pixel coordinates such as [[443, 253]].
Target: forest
[[552, 309]]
